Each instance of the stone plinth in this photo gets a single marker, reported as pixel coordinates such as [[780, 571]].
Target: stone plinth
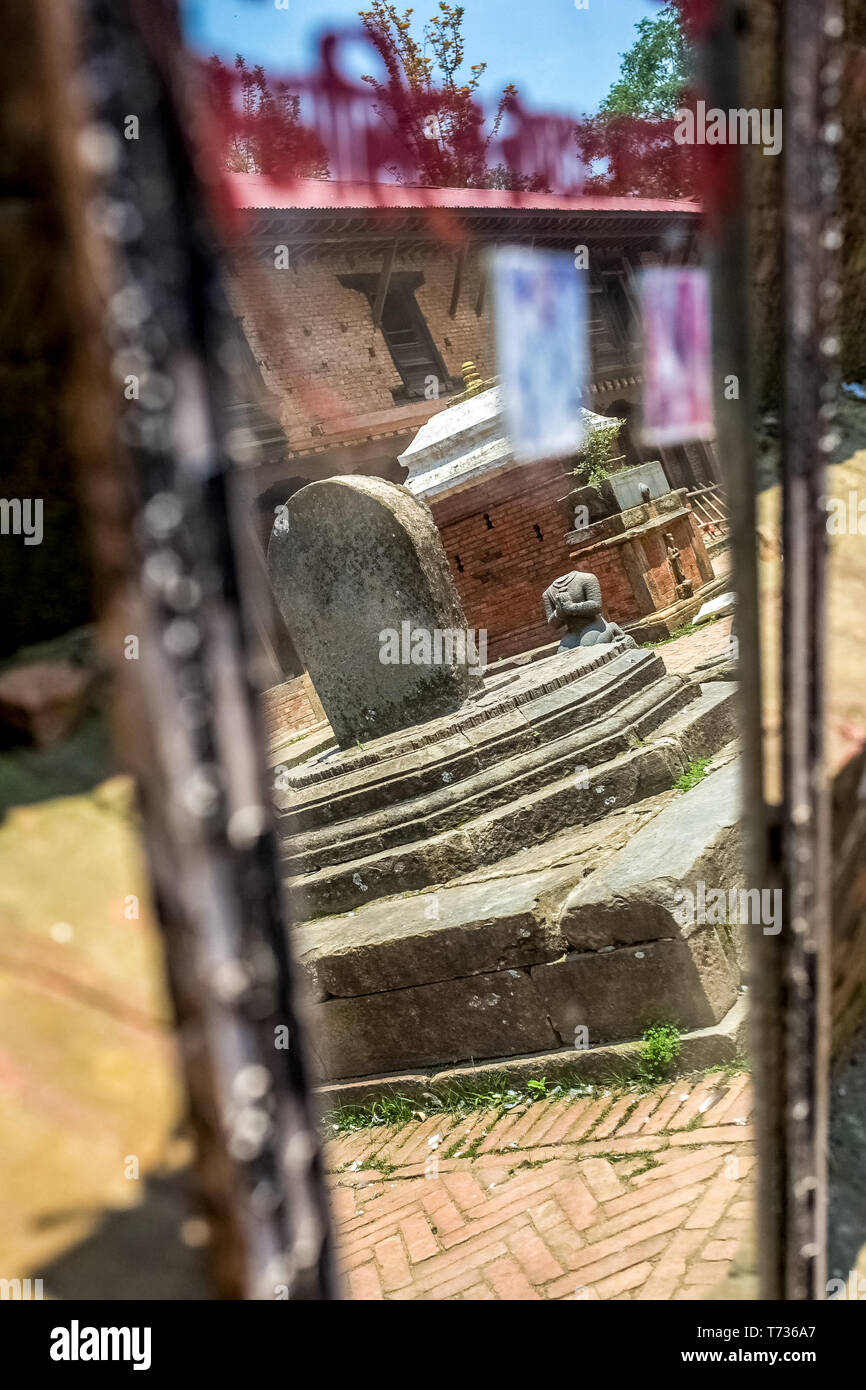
[[627, 483], [629, 555], [362, 582], [428, 864], [428, 869]]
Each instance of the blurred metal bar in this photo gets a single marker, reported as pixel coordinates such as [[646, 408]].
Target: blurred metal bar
[[722, 62], [190, 725], [811, 239]]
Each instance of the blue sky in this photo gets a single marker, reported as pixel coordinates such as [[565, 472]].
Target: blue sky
[[561, 58]]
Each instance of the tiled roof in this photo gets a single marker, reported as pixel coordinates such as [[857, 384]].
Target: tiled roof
[[256, 192]]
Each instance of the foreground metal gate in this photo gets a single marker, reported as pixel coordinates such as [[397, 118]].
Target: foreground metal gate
[[153, 384], [786, 845], [158, 478]]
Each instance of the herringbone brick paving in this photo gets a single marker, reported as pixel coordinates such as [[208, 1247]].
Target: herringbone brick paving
[[641, 1196]]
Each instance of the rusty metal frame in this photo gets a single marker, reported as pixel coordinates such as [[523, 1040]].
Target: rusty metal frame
[[785, 846], [811, 240], [200, 756], [191, 725], [722, 61]]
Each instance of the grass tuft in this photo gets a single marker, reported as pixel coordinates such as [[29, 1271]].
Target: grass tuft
[[696, 771], [660, 1051]]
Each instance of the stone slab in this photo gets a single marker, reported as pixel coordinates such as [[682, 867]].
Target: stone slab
[[700, 1048], [616, 994], [293, 751], [715, 608], [641, 895], [708, 723], [457, 931], [526, 820], [627, 483], [432, 1025], [354, 558], [593, 669], [462, 789]]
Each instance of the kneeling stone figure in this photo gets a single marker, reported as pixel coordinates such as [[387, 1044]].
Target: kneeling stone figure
[[575, 600]]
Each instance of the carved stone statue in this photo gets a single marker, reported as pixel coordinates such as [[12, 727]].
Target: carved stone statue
[[575, 600], [683, 585]]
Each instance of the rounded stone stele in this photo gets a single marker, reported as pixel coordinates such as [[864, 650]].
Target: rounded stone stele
[[359, 571]]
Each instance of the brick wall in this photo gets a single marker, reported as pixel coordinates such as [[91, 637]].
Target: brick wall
[[502, 569], [619, 603], [314, 339], [468, 336], [291, 708], [501, 565]]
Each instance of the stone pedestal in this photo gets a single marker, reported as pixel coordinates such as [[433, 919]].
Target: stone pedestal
[[428, 869], [629, 555], [430, 857]]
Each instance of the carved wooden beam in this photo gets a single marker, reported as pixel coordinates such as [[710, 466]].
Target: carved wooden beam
[[482, 290], [384, 282], [458, 281]]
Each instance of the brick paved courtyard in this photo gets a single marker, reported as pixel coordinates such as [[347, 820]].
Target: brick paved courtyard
[[644, 1196], [685, 653]]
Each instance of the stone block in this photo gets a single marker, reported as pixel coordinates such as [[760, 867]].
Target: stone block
[[494, 1015], [643, 894], [709, 722], [616, 994], [354, 559], [459, 931]]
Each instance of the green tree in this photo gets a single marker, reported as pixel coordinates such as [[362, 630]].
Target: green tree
[[269, 137], [654, 74], [429, 102], [628, 145]]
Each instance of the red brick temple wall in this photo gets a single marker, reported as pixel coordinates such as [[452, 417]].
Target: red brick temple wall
[[507, 539], [500, 562], [635, 576], [291, 708]]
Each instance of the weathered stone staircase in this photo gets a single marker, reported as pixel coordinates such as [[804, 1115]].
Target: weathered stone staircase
[[429, 871]]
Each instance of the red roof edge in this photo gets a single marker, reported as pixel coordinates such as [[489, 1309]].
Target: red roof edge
[[255, 192]]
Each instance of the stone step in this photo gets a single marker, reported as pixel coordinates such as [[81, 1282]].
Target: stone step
[[699, 730], [454, 804], [415, 763], [700, 1049], [651, 888], [491, 973], [519, 914], [461, 929], [579, 999]]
